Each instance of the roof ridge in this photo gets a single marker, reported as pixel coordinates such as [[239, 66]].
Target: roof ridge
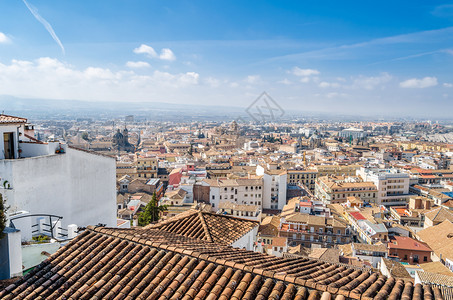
[[438, 211], [205, 227]]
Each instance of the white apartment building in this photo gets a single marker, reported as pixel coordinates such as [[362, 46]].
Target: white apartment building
[[353, 133], [274, 187], [52, 178], [238, 191], [392, 185]]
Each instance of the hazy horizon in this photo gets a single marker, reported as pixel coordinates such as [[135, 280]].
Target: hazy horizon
[[325, 57]]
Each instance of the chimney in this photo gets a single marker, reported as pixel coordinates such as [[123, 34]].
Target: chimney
[[10, 254]]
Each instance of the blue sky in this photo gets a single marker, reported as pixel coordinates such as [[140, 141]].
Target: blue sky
[[364, 57]]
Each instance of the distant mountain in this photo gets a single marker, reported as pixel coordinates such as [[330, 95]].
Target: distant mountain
[[46, 108]]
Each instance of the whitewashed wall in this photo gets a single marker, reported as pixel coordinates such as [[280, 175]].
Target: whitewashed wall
[[77, 185]]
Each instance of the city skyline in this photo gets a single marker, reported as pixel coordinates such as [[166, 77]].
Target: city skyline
[[330, 57]]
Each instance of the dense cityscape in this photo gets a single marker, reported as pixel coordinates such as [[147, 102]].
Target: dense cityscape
[[251, 152]]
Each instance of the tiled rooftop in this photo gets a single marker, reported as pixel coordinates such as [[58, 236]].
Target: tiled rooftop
[[6, 119], [112, 263], [207, 226]]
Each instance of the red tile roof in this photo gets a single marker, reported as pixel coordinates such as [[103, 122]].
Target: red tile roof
[[150, 264], [402, 242], [6, 119], [357, 215], [207, 226]]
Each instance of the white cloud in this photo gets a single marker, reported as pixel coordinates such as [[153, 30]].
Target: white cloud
[[145, 49], [50, 78], [325, 84], [370, 83], [189, 78], [306, 75], [212, 82], [419, 83], [304, 72], [253, 79], [4, 39], [448, 85], [137, 64], [285, 82], [167, 54]]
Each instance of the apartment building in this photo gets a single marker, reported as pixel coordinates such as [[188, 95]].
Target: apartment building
[[313, 231], [274, 186], [249, 212], [141, 166], [239, 191], [392, 185], [337, 189], [409, 250], [306, 177], [337, 170], [366, 228], [177, 147], [146, 166]]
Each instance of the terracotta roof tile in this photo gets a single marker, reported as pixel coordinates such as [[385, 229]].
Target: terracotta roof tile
[[118, 264], [6, 119]]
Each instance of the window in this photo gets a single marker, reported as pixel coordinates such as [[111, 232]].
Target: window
[[338, 231], [425, 258], [405, 257], [213, 197]]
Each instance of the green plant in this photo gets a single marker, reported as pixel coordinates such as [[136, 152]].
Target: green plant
[[41, 238], [152, 212], [3, 220]]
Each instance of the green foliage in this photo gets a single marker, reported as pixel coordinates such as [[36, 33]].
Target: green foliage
[[6, 184], [3, 220], [41, 239], [85, 136], [152, 212]]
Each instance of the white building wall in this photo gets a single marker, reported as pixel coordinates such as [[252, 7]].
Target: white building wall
[[77, 185], [15, 129], [247, 240], [267, 180], [282, 190], [15, 253], [214, 197]]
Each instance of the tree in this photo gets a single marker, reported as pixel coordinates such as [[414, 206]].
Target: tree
[[3, 220], [85, 136], [152, 212]]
